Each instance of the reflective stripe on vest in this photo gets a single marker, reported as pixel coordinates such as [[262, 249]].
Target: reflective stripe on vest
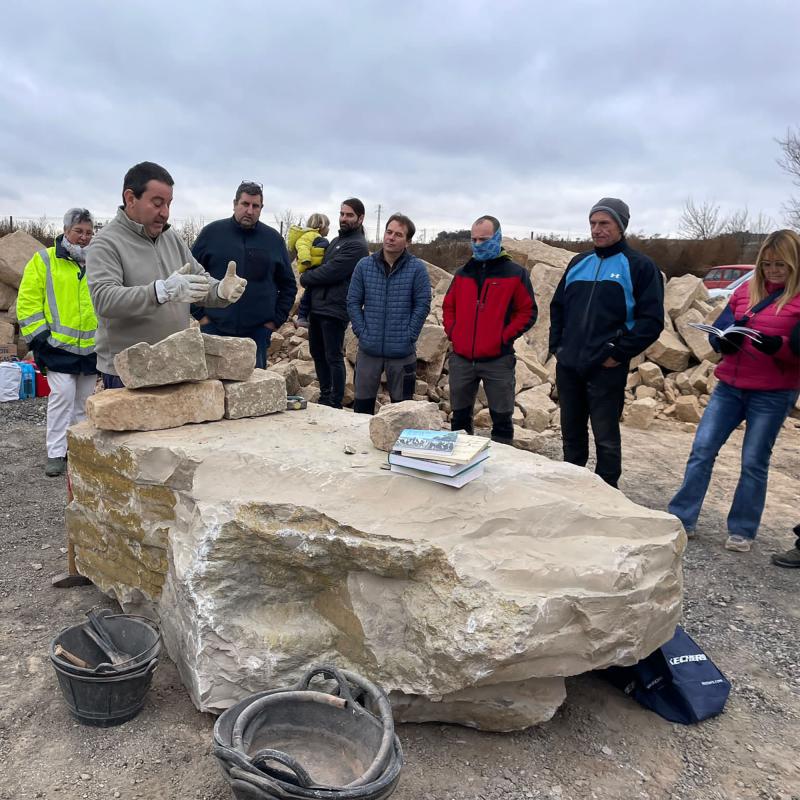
[[55, 325]]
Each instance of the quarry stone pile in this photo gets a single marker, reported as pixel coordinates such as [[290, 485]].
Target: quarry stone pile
[[16, 250]]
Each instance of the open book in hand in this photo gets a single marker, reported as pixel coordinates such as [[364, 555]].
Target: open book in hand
[[723, 332]]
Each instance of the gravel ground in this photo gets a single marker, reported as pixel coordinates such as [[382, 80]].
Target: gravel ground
[[600, 745]]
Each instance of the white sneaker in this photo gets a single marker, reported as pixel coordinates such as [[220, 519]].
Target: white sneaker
[[739, 544]]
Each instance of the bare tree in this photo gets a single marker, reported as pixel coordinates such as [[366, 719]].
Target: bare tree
[[700, 221], [790, 164], [742, 222], [286, 219], [190, 230]]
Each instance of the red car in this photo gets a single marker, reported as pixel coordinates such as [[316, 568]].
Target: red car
[[720, 277]]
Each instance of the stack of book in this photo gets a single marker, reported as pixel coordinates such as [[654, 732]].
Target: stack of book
[[448, 457]]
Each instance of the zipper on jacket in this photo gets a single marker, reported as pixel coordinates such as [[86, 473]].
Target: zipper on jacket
[[481, 285], [585, 322]]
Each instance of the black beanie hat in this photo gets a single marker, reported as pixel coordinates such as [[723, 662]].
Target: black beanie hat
[[616, 208]]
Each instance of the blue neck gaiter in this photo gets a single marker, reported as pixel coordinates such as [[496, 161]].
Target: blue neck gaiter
[[486, 251]]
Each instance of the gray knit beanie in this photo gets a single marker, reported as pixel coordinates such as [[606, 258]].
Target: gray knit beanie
[[616, 208]]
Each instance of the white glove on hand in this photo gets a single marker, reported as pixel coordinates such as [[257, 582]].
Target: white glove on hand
[[184, 286], [231, 287]]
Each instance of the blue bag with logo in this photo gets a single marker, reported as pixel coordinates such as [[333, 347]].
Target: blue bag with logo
[[27, 386], [678, 681]]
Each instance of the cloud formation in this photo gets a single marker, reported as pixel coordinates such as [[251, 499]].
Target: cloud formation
[[446, 110]]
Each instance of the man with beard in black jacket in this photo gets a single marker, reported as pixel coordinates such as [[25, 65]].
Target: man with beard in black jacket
[[329, 283]]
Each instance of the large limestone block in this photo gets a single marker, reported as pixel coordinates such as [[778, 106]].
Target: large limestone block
[[432, 344], [305, 371], [266, 547], [544, 279], [289, 372], [264, 392], [156, 408], [529, 252], [8, 296], [16, 250], [229, 358], [680, 294], [524, 378], [178, 358], [696, 340], [350, 345], [6, 333], [439, 278], [669, 351], [641, 413], [392, 420]]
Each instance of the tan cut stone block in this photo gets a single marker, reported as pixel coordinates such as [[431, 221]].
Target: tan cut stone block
[[669, 352], [6, 333], [177, 358], [641, 413], [687, 409], [229, 358], [696, 340], [432, 344], [289, 373], [156, 408], [391, 420], [263, 393], [680, 293], [16, 250], [651, 374]]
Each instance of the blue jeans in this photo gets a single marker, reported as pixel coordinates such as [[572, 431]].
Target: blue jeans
[[763, 413], [260, 335]]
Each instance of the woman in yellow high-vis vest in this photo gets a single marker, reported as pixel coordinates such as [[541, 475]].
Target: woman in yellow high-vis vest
[[56, 318]]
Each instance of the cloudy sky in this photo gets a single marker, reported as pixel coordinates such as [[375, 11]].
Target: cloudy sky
[[530, 111]]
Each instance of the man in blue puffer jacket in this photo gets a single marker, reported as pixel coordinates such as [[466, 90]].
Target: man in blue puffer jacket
[[388, 301]]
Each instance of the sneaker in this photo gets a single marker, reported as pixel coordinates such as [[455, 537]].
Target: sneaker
[[738, 544], [790, 559], [55, 467]]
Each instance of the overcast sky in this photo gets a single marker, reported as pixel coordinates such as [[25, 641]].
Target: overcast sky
[[530, 111]]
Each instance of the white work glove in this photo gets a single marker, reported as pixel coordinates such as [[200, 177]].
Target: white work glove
[[231, 287], [183, 286]]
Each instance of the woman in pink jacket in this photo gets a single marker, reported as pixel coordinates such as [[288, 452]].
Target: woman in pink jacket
[[759, 382]]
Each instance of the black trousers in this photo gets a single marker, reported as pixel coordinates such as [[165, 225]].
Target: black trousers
[[326, 343], [599, 396]]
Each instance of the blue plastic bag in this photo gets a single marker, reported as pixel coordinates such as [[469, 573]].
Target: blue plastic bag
[[678, 681], [27, 386]]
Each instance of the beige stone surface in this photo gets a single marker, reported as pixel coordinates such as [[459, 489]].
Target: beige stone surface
[[156, 408], [266, 547], [6, 333], [391, 420], [289, 373], [264, 392], [229, 358], [177, 358], [651, 374], [432, 344], [530, 252], [537, 408], [544, 279], [645, 391], [669, 351], [8, 296], [306, 374], [680, 293], [524, 378], [641, 413], [687, 409], [16, 250], [695, 340]]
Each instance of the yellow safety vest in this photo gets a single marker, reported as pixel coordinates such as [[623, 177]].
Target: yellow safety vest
[[54, 297]]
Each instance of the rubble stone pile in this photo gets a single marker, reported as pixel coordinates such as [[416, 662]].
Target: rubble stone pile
[[671, 380]]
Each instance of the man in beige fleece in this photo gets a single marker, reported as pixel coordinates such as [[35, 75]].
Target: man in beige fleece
[[142, 276]]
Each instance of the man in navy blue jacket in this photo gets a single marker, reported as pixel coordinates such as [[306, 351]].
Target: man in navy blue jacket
[[388, 301], [607, 308], [261, 256]]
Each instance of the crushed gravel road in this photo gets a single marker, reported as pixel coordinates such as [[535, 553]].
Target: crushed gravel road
[[600, 745]]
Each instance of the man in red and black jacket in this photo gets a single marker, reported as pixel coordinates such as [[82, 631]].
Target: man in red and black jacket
[[487, 306]]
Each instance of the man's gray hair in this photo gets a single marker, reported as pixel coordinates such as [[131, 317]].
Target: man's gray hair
[[77, 215]]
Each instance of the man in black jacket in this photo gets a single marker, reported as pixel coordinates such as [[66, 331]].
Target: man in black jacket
[[329, 283], [261, 256], [607, 308]]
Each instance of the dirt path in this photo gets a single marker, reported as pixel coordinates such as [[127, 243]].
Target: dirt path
[[600, 745]]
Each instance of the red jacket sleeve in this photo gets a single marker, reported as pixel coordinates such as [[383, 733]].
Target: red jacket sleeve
[[523, 309], [449, 308]]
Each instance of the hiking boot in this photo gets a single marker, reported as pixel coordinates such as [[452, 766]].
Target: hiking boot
[[55, 466], [739, 544], [791, 559]]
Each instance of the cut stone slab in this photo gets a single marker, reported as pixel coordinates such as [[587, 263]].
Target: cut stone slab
[[289, 372], [680, 294], [669, 352], [696, 340], [229, 358], [263, 393], [651, 374], [641, 413], [432, 344], [156, 408], [392, 420], [537, 408], [264, 547], [178, 358], [687, 408], [16, 250]]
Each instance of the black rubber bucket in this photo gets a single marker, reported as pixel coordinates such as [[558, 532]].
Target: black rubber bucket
[[129, 633], [103, 700]]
